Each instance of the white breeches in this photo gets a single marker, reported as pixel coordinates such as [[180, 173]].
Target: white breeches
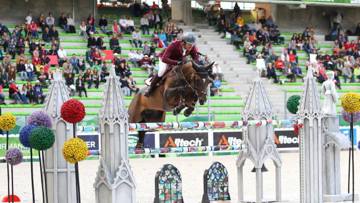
[[162, 68]]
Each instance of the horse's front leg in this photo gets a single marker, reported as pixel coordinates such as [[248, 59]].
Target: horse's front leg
[[188, 111], [178, 109]]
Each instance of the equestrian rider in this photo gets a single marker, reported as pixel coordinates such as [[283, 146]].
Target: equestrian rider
[[175, 54]]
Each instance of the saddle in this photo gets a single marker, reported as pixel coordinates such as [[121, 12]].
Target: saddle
[[163, 78]]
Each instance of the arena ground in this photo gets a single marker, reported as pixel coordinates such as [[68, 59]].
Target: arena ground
[[192, 169]]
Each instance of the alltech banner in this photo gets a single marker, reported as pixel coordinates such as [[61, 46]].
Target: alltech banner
[[191, 139]]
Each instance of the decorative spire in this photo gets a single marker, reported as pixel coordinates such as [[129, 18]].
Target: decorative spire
[[58, 94], [113, 103], [310, 101], [257, 105]]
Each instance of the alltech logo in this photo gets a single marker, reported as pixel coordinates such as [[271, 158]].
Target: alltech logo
[[286, 139], [227, 138], [184, 140]]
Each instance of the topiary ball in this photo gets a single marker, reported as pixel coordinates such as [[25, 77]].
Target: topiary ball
[[40, 118], [25, 134], [293, 104], [73, 111], [75, 150], [347, 116], [7, 121], [13, 156], [351, 102], [41, 138]]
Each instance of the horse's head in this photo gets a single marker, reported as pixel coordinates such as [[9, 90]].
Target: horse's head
[[203, 77]]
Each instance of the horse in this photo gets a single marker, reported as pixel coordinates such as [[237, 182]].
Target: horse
[[181, 88]]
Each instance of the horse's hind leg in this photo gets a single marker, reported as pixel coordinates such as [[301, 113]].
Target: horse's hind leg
[[140, 142]]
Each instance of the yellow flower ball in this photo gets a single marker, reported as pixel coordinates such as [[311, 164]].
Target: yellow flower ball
[[351, 102], [7, 121], [75, 150]]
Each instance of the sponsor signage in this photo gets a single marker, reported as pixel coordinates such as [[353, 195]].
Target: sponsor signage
[[346, 131], [228, 138], [91, 140], [184, 139], [286, 138]]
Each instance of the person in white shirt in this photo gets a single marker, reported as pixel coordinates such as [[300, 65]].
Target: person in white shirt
[[28, 19], [136, 39], [216, 69], [71, 24], [260, 65], [123, 24], [29, 68], [144, 22], [130, 24], [62, 56], [83, 30], [50, 20]]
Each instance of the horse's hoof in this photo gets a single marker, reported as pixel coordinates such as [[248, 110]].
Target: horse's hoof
[[187, 114]]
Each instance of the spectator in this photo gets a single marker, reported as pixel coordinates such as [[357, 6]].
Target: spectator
[[54, 34], [29, 92], [70, 24], [42, 22], [103, 23], [123, 24], [50, 20], [2, 96], [62, 54], [14, 92], [136, 39], [33, 29], [80, 86], [46, 35], [39, 96], [28, 19], [63, 22], [75, 63], [271, 72], [215, 87], [116, 29], [146, 63], [132, 85], [217, 71], [91, 24], [260, 66], [83, 30], [91, 41], [100, 43], [114, 44], [29, 68], [96, 78], [125, 86], [130, 24], [23, 94], [88, 77], [20, 68], [144, 23], [158, 20]]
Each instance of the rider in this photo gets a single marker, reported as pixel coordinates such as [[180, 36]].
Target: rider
[[174, 54]]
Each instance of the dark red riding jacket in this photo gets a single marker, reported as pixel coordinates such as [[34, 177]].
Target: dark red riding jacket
[[174, 53]]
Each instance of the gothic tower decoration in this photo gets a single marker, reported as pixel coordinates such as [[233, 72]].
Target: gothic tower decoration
[[60, 174], [258, 143], [114, 181], [311, 142]]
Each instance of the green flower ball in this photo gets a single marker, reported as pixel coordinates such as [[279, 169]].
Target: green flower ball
[[42, 138], [293, 103]]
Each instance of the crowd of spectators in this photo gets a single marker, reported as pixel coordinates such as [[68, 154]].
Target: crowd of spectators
[[257, 39]]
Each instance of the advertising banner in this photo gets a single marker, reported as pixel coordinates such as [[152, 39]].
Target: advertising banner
[[234, 138], [191, 139], [286, 138]]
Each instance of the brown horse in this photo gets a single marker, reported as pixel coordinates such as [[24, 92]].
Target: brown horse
[[181, 88]]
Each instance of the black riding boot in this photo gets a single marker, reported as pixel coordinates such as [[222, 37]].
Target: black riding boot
[[153, 85]]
